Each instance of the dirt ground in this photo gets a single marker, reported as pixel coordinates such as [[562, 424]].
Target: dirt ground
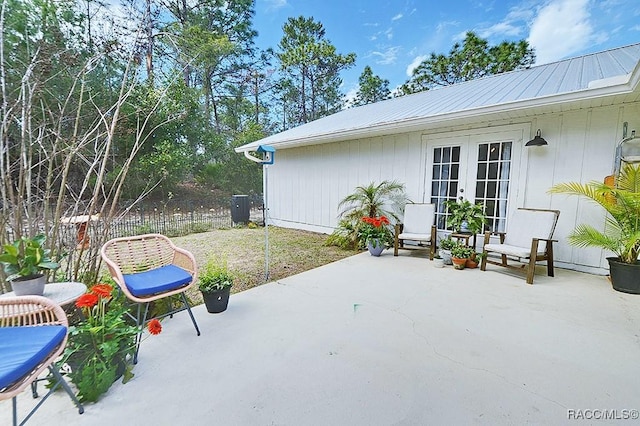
[[243, 249]]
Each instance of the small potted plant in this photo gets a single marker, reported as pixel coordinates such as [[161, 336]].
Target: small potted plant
[[375, 234], [24, 263], [438, 262], [465, 217], [446, 244], [460, 253], [215, 284], [474, 259]]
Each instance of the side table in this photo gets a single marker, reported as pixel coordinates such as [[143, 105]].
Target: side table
[[63, 293], [465, 236]]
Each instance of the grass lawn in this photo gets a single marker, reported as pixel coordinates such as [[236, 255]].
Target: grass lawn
[[290, 252]]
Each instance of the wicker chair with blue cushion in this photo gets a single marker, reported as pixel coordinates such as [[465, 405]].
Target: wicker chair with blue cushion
[[148, 268], [33, 334]]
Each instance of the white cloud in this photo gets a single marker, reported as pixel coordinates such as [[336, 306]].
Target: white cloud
[[561, 28], [501, 29], [415, 63], [511, 26], [398, 16], [389, 33], [275, 4], [388, 56], [442, 26]]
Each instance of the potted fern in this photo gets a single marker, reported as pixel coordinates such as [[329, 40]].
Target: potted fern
[[215, 284], [622, 231], [25, 262]]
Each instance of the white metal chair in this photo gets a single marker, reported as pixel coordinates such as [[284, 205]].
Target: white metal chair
[[33, 334], [529, 237], [417, 225], [148, 268]]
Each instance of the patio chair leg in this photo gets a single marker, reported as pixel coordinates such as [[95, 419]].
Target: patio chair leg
[[531, 269], [66, 387], [193, 320], [550, 258], [59, 381], [14, 403], [140, 325]]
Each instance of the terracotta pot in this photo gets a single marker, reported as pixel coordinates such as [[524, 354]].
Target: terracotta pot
[[471, 263], [459, 263]]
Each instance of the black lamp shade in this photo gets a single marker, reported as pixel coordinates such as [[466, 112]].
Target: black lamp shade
[[537, 140]]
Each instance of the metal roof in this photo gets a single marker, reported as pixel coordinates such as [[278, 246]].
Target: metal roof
[[608, 73]]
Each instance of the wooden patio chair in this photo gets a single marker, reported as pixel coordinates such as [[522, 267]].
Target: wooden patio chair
[[33, 334], [417, 225], [529, 238], [148, 268]]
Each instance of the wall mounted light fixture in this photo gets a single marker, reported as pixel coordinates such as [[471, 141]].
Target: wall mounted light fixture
[[537, 140]]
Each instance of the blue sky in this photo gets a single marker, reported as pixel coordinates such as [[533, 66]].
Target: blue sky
[[393, 36]]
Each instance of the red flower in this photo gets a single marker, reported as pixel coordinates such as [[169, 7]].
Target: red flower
[[87, 300], [384, 220], [366, 219], [376, 222], [102, 290], [154, 326]]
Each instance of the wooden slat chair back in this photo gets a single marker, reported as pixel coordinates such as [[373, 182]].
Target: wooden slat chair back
[[150, 267], [33, 334], [530, 237], [417, 225]]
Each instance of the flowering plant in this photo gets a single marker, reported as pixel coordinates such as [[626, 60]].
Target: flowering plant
[[375, 229], [102, 344]]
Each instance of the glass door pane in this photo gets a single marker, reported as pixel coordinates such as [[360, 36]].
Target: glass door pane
[[492, 182], [445, 179]]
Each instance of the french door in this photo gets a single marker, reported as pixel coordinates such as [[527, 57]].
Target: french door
[[473, 168]]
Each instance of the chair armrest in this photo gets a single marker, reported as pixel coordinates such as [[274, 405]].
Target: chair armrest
[[488, 234], [185, 260], [31, 310]]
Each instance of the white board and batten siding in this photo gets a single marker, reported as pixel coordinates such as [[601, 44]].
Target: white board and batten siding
[[307, 182]]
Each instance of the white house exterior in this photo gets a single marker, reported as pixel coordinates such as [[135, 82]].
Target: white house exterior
[[468, 140]]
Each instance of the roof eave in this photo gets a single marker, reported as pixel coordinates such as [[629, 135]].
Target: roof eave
[[618, 86]]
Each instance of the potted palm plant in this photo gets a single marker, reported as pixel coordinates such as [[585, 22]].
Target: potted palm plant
[[25, 262], [622, 231], [215, 284], [373, 200]]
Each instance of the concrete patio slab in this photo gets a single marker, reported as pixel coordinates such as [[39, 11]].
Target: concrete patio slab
[[386, 341]]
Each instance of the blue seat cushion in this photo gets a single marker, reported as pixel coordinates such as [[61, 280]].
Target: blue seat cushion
[[159, 280], [23, 348]]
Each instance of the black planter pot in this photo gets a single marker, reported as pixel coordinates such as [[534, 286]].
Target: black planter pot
[[625, 277], [217, 301]]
